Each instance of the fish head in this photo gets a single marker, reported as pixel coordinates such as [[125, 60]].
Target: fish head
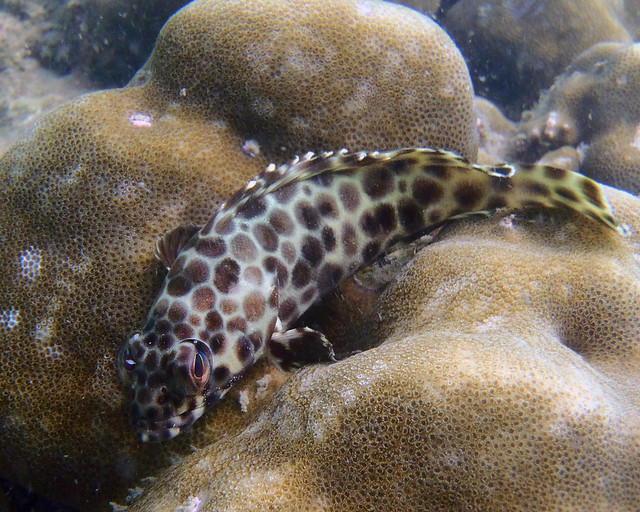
[[171, 388]]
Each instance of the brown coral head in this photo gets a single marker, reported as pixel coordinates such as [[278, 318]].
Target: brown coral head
[[172, 390]]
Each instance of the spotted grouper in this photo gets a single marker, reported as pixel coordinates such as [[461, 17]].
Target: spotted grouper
[[236, 286]]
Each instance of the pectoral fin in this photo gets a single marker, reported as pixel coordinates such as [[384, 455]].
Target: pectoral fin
[[299, 347], [169, 245]]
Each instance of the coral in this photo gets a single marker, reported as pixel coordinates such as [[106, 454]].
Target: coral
[[412, 76], [516, 48], [495, 132], [500, 378], [592, 107], [85, 195]]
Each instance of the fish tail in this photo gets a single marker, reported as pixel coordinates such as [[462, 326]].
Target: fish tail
[[544, 186]]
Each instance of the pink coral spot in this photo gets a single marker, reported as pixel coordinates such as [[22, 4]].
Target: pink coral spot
[[142, 120]]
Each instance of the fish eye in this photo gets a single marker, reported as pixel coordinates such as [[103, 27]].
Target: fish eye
[[126, 364], [201, 364], [126, 358]]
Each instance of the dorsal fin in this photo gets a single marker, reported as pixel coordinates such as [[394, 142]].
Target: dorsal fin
[[299, 169], [274, 178], [169, 245]]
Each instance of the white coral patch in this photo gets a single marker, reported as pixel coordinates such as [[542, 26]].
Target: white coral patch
[[636, 139], [43, 330], [141, 120], [30, 262], [243, 399], [43, 334], [10, 318], [192, 504]]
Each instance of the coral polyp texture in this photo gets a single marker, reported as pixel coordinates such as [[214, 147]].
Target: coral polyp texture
[[505, 377], [516, 48], [593, 107], [230, 86], [394, 77]]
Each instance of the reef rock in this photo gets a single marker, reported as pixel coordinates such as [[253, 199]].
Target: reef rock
[[500, 371], [230, 86], [107, 41], [593, 107], [516, 48]]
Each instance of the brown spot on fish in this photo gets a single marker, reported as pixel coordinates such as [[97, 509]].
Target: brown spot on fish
[[300, 275], [288, 251], [228, 306], [309, 294], [151, 361], [312, 251], [217, 343], [307, 215], [536, 189], [211, 247], [592, 192], [161, 307], [243, 248], [221, 374], [440, 172], [178, 286], [252, 275], [163, 326], [567, 194], [496, 203], [203, 299], [468, 195], [256, 340], [237, 323], [410, 215], [285, 194], [426, 192], [244, 348], [281, 222], [370, 251], [378, 182], [197, 271], [555, 173], [226, 275], [349, 240], [273, 298], [253, 306], [252, 208], [183, 331], [328, 239], [224, 226], [329, 276], [385, 216], [327, 206], [165, 342], [266, 237], [288, 310], [349, 196], [177, 312]]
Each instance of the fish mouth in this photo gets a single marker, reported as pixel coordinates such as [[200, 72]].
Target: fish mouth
[[163, 430]]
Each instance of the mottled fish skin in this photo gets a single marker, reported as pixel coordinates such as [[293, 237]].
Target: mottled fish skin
[[284, 240]]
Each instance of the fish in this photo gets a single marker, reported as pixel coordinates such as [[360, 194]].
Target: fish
[[236, 286]]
